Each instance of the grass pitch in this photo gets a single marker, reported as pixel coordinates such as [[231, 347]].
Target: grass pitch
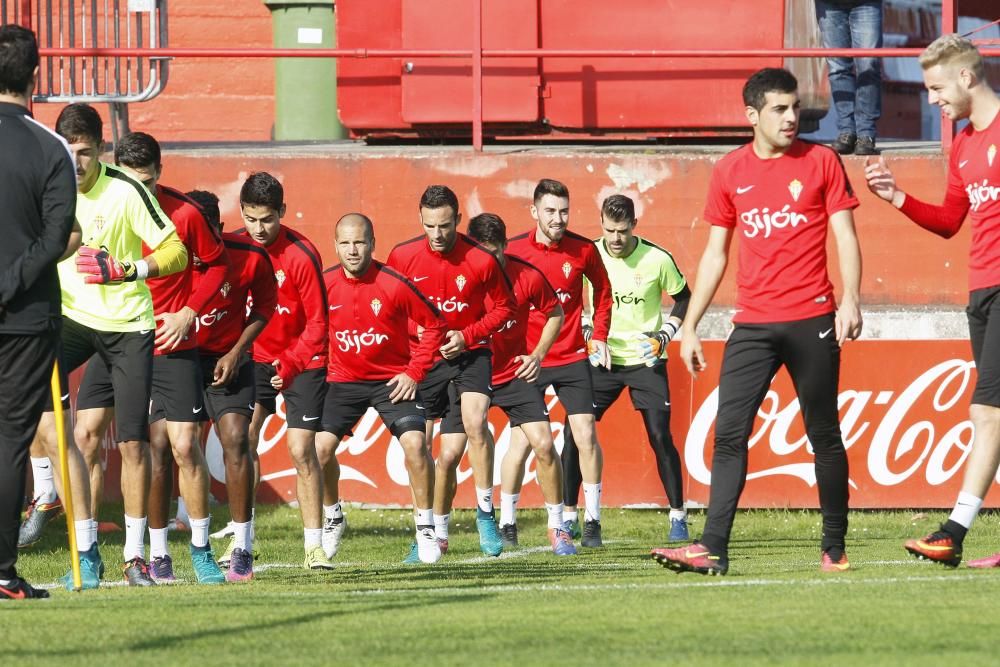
[[608, 606]]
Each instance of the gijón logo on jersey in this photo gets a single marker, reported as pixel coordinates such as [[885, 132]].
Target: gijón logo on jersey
[[449, 305], [765, 221], [563, 295], [353, 340], [981, 194], [209, 318], [630, 299]]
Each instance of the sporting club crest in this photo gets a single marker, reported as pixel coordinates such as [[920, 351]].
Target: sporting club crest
[[376, 306], [795, 187]]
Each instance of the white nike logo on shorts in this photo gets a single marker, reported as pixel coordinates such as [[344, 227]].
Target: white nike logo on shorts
[[309, 419], [419, 407], [196, 410], [824, 334], [64, 397]]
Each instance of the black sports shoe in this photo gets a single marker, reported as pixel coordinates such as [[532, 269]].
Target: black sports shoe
[[19, 589], [866, 146], [592, 534], [508, 534], [136, 573], [844, 144]]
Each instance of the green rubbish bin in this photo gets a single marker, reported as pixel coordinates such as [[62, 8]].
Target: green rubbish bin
[[305, 89]]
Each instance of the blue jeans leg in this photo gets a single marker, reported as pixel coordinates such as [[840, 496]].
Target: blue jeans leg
[[855, 83]]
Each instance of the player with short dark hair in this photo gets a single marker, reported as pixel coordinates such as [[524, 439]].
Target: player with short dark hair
[[226, 331], [290, 354], [176, 401], [468, 287], [566, 258], [108, 310], [371, 365], [955, 77], [514, 369], [780, 194], [38, 200], [640, 273]]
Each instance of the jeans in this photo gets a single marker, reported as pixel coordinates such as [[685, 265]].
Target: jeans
[[855, 83]]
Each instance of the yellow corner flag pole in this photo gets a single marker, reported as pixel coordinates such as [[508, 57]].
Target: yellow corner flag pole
[[64, 467]]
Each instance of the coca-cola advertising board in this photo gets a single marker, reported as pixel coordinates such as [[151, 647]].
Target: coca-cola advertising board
[[904, 408]]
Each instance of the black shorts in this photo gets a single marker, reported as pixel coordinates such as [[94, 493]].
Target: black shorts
[[520, 401], [177, 394], [647, 386], [983, 313], [128, 360], [238, 396], [346, 402], [472, 371], [572, 384], [303, 400]]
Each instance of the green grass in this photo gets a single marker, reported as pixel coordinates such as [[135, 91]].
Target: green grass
[[608, 606]]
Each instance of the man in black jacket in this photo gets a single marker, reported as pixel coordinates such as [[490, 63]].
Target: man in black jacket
[[38, 200]]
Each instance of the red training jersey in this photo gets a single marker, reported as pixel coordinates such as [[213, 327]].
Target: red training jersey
[[173, 292], [565, 264], [251, 275], [459, 283], [533, 293], [369, 318], [973, 189], [781, 208], [296, 334]]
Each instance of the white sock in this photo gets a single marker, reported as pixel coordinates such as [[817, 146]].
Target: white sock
[[508, 507], [966, 508], [313, 538], [441, 522], [243, 532], [199, 531], [424, 518], [333, 511], [555, 515], [41, 472], [85, 538], [484, 499], [182, 511], [157, 543], [570, 515], [592, 501], [678, 514], [135, 531]]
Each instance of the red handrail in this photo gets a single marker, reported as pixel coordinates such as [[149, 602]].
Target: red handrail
[[477, 54]]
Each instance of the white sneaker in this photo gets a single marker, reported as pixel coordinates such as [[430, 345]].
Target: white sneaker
[[333, 532], [226, 531], [427, 546]]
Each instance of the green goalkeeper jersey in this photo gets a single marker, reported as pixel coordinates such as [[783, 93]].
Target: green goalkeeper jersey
[[638, 282]]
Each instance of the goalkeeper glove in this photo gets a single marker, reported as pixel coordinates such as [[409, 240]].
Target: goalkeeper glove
[[587, 326], [100, 268], [653, 343]]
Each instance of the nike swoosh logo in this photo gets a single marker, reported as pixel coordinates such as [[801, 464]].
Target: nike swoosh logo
[[419, 407], [252, 406], [962, 163], [744, 190], [417, 280], [19, 595], [699, 554], [824, 334], [336, 307], [195, 411], [65, 397], [309, 419], [666, 403], [143, 332], [581, 350]]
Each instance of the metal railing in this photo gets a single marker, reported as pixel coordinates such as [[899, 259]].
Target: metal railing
[[80, 41], [477, 53]]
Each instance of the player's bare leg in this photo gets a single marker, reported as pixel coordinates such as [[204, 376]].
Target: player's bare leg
[[333, 513], [91, 426], [446, 482], [85, 527], [161, 485], [591, 468], [474, 409], [309, 487], [421, 470], [548, 468]]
